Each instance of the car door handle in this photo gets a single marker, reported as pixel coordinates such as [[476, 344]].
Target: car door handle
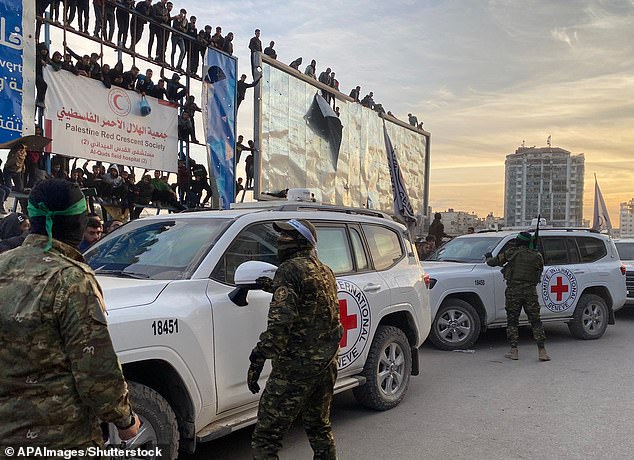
[[371, 287], [578, 272]]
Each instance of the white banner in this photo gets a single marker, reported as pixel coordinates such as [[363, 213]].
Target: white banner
[[87, 120]]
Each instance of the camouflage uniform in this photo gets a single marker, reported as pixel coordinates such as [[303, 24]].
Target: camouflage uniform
[[302, 340], [58, 371], [522, 271]]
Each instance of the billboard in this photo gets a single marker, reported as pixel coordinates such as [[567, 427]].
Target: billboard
[[219, 121], [87, 120], [17, 69], [297, 152]]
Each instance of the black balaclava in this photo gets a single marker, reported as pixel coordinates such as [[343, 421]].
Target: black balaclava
[[10, 225], [59, 195], [287, 248], [291, 241]]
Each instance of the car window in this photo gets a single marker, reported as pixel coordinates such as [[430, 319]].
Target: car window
[[555, 251], [333, 249], [385, 246], [573, 253], [164, 249], [590, 249], [359, 251], [468, 249], [625, 250], [256, 242]]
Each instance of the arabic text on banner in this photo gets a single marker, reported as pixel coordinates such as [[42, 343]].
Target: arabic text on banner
[[87, 120], [17, 64], [219, 115]]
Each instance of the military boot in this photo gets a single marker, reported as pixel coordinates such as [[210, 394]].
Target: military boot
[[543, 356], [512, 354]]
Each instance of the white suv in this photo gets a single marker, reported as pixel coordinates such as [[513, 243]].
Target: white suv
[[183, 331], [582, 284]]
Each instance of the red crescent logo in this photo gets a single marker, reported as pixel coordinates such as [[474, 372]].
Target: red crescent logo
[[119, 102], [114, 101]]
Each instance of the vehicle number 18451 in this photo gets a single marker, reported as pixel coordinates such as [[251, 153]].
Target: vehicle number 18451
[[165, 326]]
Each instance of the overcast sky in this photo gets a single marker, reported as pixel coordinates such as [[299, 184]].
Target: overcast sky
[[482, 75]]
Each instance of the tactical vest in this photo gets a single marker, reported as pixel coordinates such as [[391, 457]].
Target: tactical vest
[[523, 265]]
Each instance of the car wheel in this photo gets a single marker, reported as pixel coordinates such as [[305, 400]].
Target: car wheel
[[590, 319], [456, 326], [387, 370], [158, 423]]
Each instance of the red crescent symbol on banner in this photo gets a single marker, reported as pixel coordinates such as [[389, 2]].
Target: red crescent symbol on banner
[[114, 101]]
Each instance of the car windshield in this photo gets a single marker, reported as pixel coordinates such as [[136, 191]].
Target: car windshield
[[465, 249], [156, 249], [625, 249]]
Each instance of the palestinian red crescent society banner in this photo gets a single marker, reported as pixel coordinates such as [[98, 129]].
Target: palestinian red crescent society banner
[[87, 120]]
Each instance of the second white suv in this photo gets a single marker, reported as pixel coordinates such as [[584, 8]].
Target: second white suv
[[583, 284]]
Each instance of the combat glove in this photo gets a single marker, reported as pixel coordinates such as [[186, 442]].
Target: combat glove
[[265, 283], [255, 369]]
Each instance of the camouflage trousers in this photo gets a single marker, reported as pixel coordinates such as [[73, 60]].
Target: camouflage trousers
[[283, 401], [518, 296]]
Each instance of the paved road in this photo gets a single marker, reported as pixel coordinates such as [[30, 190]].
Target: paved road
[[482, 406]]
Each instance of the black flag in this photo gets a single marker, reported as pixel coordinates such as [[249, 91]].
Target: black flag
[[326, 124]]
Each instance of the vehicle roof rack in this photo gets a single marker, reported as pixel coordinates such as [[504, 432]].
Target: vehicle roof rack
[[568, 229], [304, 206], [542, 229]]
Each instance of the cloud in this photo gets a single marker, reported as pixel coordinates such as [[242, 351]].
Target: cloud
[[563, 36]]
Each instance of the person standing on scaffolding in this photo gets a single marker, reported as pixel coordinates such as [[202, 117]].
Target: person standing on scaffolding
[[255, 45]]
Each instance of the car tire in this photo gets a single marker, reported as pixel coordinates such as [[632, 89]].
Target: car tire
[[159, 426], [456, 326], [387, 370], [590, 319]]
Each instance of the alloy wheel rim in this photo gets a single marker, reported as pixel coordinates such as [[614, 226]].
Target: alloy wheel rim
[[391, 372], [592, 318], [454, 326]]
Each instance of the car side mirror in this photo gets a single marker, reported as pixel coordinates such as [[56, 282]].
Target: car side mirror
[[245, 277]]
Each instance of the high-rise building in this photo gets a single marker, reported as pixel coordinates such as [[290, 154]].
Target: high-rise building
[[627, 219], [546, 181]]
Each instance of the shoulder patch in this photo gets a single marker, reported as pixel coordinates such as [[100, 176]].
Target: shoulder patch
[[281, 293]]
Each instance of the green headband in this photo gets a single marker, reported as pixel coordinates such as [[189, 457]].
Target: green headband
[[41, 210]]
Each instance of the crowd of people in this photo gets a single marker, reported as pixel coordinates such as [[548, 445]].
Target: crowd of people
[[164, 88], [164, 27], [188, 44], [185, 39]]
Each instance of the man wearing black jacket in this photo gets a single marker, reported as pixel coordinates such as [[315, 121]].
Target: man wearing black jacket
[[243, 86], [138, 21]]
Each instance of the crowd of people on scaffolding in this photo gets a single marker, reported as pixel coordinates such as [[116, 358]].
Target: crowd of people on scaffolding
[[191, 44], [131, 20], [116, 186]]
